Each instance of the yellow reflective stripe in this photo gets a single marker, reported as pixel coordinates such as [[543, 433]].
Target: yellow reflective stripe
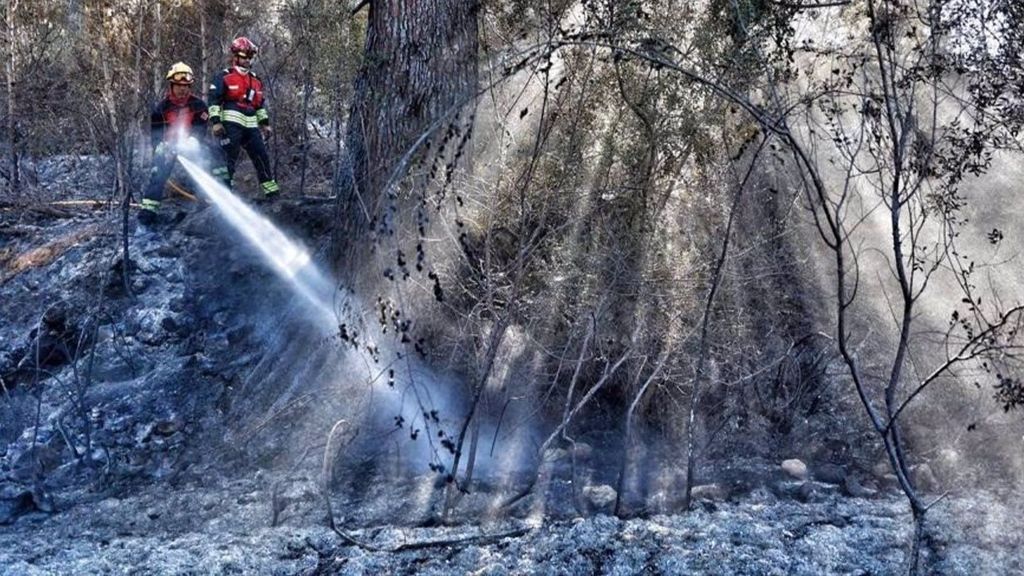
[[270, 187], [238, 118], [214, 111], [262, 115], [150, 204]]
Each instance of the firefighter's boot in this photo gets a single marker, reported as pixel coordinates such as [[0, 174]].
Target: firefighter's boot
[[270, 190], [148, 213]]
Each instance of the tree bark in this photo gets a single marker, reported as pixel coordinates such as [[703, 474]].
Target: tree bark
[[14, 179], [158, 42], [420, 65], [204, 65]]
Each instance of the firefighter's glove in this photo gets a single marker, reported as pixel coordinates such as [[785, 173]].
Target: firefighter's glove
[[265, 131], [218, 130]]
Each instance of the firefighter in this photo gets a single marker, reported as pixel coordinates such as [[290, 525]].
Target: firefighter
[[181, 115], [239, 119]]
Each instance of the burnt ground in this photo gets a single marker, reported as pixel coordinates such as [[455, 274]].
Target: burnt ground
[[223, 526], [176, 381]]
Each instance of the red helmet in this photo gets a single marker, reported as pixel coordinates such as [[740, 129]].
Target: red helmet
[[244, 47]]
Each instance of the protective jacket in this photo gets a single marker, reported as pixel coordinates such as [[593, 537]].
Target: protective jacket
[[175, 119], [237, 102], [172, 121], [237, 97]]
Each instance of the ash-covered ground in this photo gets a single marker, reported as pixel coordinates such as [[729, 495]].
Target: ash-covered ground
[[223, 526], [187, 473]]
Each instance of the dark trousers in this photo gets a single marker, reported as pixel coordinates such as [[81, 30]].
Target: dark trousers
[[239, 137], [163, 165]]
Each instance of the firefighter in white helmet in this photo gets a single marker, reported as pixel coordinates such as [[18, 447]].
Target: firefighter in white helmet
[[180, 115]]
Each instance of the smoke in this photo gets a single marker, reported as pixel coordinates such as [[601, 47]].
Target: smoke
[[954, 424]]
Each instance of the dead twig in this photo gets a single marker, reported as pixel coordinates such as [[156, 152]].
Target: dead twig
[[478, 539], [326, 477]]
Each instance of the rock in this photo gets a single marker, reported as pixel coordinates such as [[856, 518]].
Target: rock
[[176, 304], [830, 474], [167, 250], [151, 327], [812, 491], [852, 487], [601, 497], [554, 455], [881, 469], [136, 464], [167, 427], [947, 464], [15, 507], [712, 492], [104, 334], [795, 468], [43, 459], [582, 451], [153, 242], [925, 479], [158, 431], [786, 489], [143, 433], [143, 265], [662, 502], [807, 492], [169, 324], [56, 317], [42, 501]]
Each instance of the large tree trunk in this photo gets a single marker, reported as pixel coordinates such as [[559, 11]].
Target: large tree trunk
[[420, 65]]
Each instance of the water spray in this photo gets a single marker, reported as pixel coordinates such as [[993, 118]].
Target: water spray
[[288, 258], [292, 262]]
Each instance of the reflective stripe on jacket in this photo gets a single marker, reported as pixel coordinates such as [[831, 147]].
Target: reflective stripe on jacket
[[237, 97]]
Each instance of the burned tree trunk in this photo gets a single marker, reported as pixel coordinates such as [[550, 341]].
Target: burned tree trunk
[[14, 177], [420, 67]]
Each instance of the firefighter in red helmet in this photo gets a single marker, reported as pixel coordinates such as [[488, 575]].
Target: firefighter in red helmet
[[177, 118], [238, 117]]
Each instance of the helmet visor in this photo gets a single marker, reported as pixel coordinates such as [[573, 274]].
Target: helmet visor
[[182, 78]]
